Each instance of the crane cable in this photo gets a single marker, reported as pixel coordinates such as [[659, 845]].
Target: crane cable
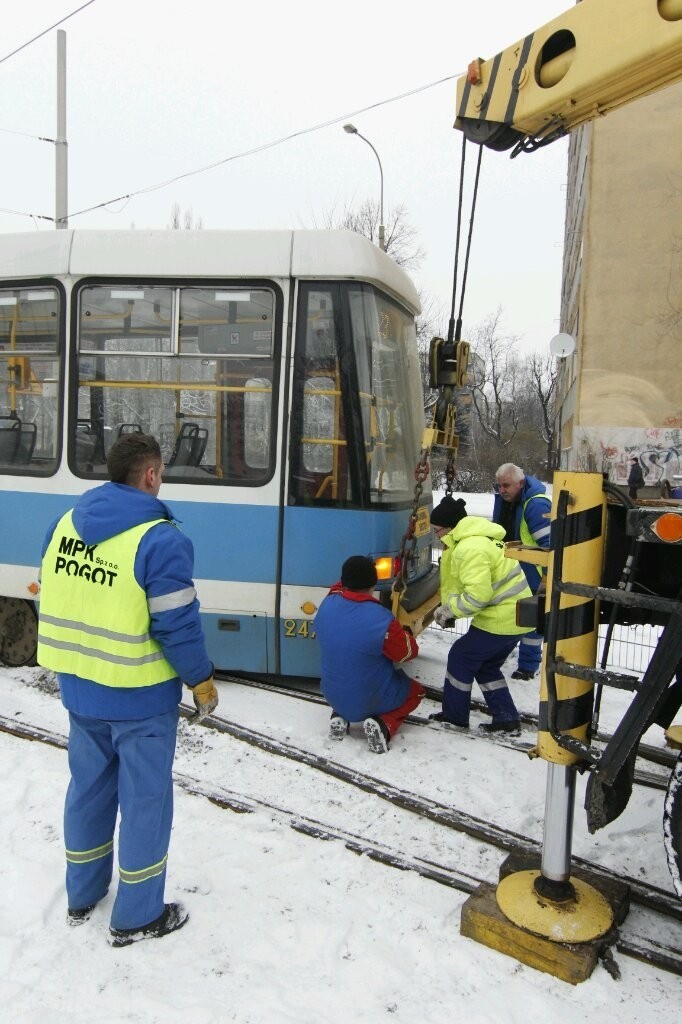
[[455, 327]]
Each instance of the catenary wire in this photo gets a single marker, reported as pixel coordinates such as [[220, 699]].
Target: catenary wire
[[258, 149], [45, 31]]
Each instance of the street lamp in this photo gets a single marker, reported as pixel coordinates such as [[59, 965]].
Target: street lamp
[[352, 130]]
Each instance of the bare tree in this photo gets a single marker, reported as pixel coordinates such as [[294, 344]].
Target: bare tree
[[542, 371], [401, 236], [184, 221], [495, 390]]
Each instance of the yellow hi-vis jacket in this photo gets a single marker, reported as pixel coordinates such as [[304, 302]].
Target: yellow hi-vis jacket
[[477, 580], [94, 620]]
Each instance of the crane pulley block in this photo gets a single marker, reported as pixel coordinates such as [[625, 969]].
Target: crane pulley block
[[448, 363]]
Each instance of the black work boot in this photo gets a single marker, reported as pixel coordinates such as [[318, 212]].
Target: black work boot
[[513, 727], [80, 916], [441, 717], [521, 673], [174, 916], [338, 727], [377, 735]]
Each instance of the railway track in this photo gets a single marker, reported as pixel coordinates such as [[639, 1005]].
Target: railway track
[[642, 777], [641, 945]]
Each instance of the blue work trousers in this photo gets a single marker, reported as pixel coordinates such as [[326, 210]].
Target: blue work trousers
[[530, 652], [127, 766], [478, 655]]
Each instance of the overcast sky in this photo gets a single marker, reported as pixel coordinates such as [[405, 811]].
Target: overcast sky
[[158, 90]]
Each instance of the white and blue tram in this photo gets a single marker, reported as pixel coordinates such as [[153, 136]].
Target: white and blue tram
[[279, 371]]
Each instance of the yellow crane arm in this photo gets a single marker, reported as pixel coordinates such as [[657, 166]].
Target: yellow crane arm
[[595, 57]]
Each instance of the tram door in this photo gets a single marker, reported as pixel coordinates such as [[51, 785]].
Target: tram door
[[315, 520]]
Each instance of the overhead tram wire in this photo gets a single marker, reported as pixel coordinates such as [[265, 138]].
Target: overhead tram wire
[[45, 31], [248, 152], [268, 145]]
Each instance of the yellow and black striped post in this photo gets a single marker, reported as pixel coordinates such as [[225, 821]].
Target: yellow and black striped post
[[578, 524], [548, 902]]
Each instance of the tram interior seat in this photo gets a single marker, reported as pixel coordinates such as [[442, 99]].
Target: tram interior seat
[[10, 436], [129, 428], [86, 444], [190, 445], [27, 443]]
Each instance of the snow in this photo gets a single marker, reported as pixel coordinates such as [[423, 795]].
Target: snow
[[289, 929]]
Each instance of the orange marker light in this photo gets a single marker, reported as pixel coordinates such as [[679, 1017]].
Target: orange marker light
[[474, 72], [668, 527]]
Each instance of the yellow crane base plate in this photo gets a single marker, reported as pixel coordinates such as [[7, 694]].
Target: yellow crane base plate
[[673, 737], [586, 917]]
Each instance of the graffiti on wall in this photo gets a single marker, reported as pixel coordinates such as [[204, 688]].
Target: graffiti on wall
[[609, 450]]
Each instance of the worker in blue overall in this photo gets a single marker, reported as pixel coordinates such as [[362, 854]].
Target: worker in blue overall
[[522, 507], [119, 624], [363, 647]]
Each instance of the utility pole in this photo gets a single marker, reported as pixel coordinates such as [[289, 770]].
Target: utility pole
[[61, 218]]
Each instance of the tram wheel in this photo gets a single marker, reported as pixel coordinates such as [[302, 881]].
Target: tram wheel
[[672, 825], [18, 632]]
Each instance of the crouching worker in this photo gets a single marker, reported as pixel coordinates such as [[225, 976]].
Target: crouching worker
[[361, 644], [477, 580], [119, 624]]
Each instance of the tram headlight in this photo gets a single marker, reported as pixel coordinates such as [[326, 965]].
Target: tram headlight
[[387, 567]]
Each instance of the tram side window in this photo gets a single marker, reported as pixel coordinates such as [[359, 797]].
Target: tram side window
[[319, 458], [29, 371], [192, 366]]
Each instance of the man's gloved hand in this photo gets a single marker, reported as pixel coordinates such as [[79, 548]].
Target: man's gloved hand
[[205, 697], [444, 617]]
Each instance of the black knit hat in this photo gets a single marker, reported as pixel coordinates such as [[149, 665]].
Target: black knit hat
[[358, 573], [448, 512]]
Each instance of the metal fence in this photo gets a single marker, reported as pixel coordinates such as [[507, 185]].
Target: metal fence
[[630, 649]]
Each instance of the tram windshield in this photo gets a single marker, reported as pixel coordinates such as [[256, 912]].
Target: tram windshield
[[29, 371], [357, 428]]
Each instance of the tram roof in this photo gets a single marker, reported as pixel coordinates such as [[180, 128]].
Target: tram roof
[[323, 255]]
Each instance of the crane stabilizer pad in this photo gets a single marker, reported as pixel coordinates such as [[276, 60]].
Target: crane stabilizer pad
[[588, 916]]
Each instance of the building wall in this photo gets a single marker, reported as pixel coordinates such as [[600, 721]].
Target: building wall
[[621, 392]]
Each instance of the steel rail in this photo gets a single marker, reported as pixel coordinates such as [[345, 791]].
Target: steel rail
[[649, 951]]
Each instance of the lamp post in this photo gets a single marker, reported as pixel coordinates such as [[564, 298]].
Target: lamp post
[[352, 130]]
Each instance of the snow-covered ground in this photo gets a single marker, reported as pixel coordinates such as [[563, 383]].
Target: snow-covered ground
[[287, 929]]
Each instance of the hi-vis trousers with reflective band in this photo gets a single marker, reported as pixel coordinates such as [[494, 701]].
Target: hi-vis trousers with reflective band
[[127, 765], [478, 655], [530, 652]]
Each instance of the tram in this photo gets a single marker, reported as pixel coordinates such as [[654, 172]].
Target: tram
[[279, 372]]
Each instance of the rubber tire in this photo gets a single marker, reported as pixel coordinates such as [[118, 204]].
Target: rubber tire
[[18, 632], [672, 825]]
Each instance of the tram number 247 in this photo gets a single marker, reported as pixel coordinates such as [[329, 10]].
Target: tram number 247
[[299, 629]]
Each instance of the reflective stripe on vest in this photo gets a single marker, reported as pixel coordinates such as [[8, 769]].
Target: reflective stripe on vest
[[94, 618], [525, 536]]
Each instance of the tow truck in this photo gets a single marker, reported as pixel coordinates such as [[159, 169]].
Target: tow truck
[[612, 560]]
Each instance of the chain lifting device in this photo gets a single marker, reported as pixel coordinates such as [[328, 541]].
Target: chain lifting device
[[448, 365]]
